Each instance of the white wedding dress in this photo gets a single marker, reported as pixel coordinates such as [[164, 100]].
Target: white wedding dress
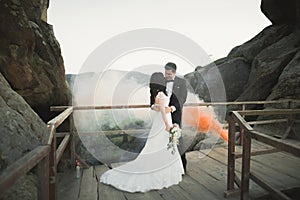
[[155, 167]]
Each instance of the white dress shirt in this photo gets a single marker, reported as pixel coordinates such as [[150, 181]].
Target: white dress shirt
[[169, 88]]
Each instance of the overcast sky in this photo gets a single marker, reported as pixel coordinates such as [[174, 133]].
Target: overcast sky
[[216, 25]]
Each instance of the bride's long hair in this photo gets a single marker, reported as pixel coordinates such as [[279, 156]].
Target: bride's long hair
[[157, 84]]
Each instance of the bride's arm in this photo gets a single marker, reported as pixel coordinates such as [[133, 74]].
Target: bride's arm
[[163, 111]]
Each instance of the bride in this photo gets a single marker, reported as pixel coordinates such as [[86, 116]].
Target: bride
[[155, 167]]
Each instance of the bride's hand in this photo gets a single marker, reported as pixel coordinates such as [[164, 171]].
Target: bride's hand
[[168, 109], [168, 127], [155, 107]]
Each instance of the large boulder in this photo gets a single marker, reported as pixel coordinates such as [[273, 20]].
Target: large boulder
[[288, 82], [30, 56], [234, 73], [21, 131], [281, 12], [268, 36], [267, 67]]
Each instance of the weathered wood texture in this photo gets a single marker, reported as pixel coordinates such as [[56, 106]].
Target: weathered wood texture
[[206, 177]]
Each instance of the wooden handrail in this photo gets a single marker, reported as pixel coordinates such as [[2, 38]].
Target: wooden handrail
[[40, 154], [22, 166], [60, 108], [248, 133], [275, 142], [98, 107], [241, 121], [51, 130], [117, 131], [61, 148], [270, 112], [61, 117]]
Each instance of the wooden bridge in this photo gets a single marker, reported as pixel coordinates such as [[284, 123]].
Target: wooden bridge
[[222, 174]]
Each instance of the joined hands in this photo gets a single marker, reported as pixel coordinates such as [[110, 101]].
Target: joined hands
[[156, 108]]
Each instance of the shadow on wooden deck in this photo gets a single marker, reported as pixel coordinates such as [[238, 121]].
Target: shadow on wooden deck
[[206, 179]]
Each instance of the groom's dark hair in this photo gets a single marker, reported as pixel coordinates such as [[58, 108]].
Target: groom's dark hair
[[171, 66]]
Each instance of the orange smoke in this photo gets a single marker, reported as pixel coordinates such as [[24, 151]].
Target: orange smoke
[[203, 119]]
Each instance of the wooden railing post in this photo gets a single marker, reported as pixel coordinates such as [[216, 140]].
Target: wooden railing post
[[53, 169], [43, 179], [72, 142], [231, 156], [246, 166]]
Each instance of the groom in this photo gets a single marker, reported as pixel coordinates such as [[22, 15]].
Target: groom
[[177, 91]]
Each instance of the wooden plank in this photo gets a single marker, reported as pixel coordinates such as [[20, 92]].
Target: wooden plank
[[151, 195], [53, 170], [258, 152], [43, 178], [274, 177], [168, 193], [241, 121], [245, 180], [106, 192], [270, 112], [51, 131], [116, 132], [270, 121], [277, 143], [60, 108], [266, 167], [218, 155], [62, 134], [68, 185], [19, 168], [215, 168], [88, 187], [274, 192], [99, 170], [213, 182], [61, 148], [195, 189], [73, 141], [180, 192], [281, 163], [231, 151], [61, 117]]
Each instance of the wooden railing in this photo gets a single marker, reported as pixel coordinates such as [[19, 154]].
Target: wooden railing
[[47, 155], [243, 105], [234, 119]]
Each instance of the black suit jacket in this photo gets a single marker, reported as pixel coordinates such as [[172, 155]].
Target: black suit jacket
[[178, 98]]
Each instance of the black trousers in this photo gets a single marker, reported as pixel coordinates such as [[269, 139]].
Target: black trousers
[[183, 159], [182, 153]]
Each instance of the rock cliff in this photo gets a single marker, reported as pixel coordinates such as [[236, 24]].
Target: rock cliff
[[30, 56], [267, 67], [32, 78]]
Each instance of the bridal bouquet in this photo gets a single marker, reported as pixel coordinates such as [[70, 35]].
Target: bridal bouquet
[[174, 135]]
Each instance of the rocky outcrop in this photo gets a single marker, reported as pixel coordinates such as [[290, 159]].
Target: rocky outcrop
[[21, 131], [266, 67], [281, 12], [32, 78], [30, 56]]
